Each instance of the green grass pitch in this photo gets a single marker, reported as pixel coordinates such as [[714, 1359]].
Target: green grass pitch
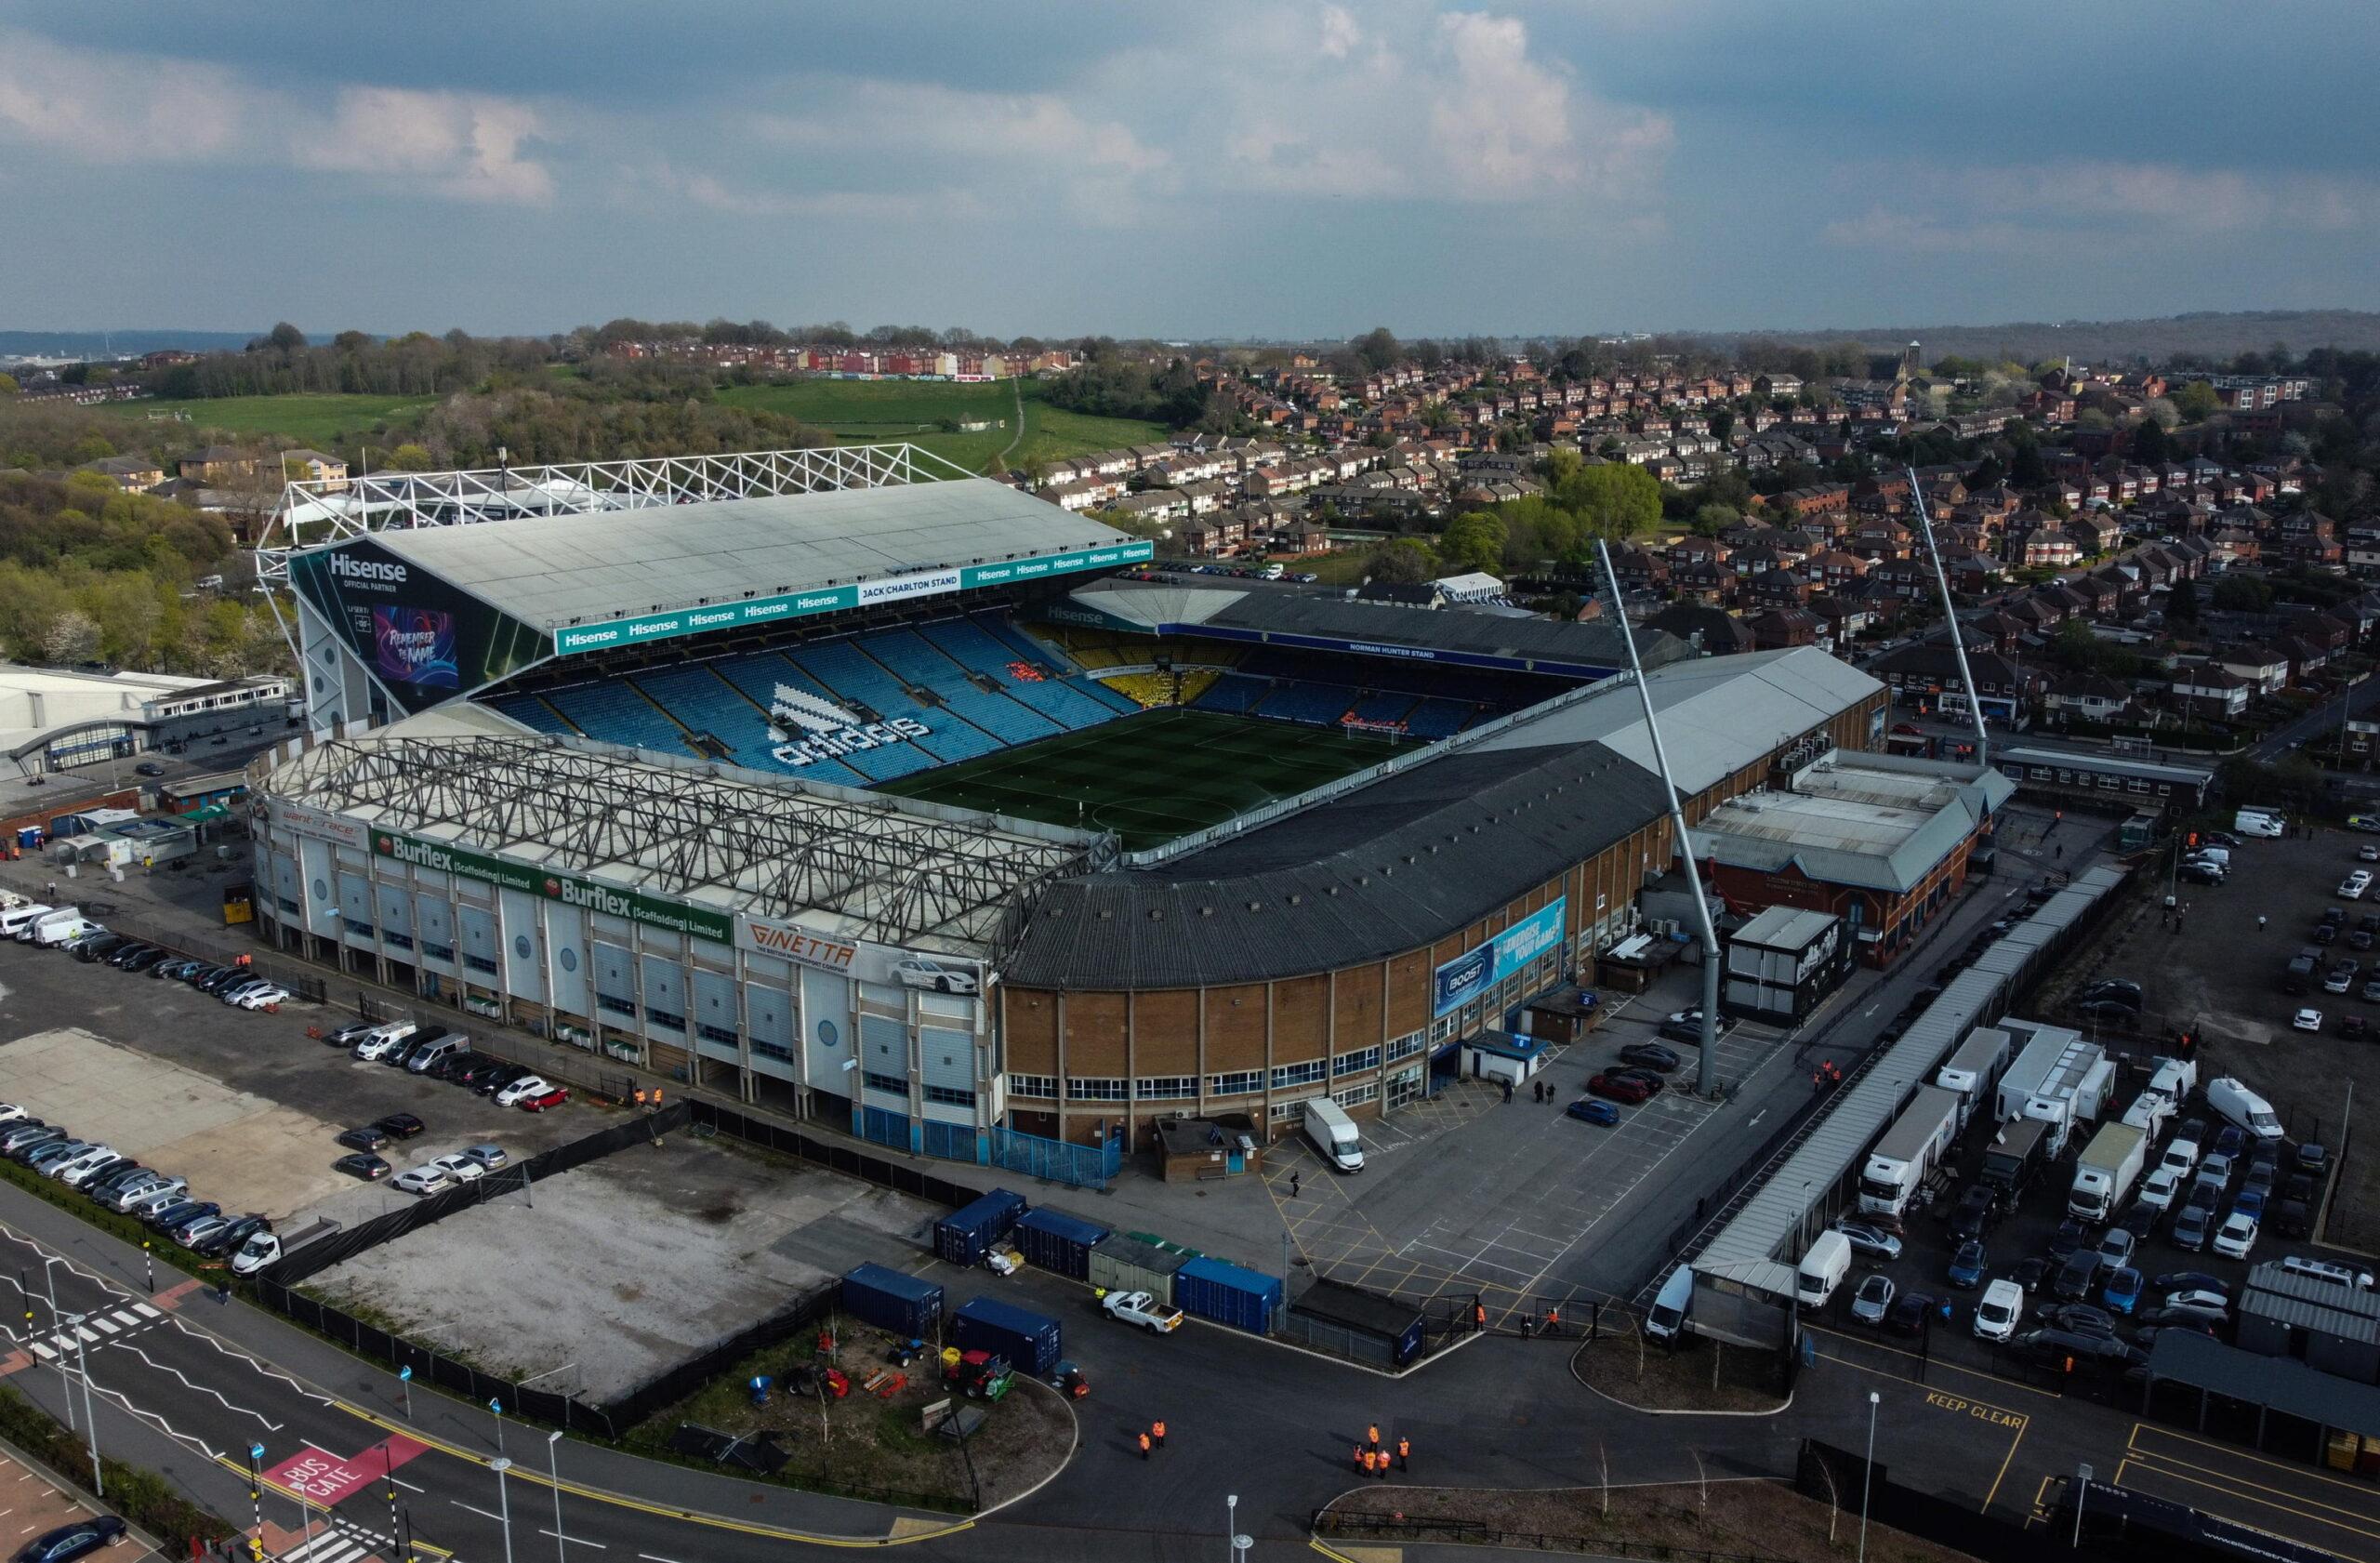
[[1151, 777]]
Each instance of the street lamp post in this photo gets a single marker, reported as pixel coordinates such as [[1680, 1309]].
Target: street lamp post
[[503, 1503], [90, 1417], [553, 1469], [1867, 1477]]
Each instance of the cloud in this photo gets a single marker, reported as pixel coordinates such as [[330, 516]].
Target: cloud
[[467, 148], [96, 106]]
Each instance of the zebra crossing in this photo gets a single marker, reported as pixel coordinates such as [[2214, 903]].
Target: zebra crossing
[[94, 1329]]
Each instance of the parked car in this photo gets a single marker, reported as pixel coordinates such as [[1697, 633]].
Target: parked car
[[1869, 1242], [1873, 1300]]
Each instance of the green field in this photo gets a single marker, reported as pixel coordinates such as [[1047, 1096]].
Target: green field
[[881, 412], [319, 418], [1208, 766]]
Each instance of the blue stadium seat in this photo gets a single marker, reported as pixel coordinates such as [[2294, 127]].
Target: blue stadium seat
[[617, 714]]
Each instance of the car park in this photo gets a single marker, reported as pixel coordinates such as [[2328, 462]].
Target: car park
[[1873, 1300], [1869, 1242], [1999, 1310], [425, 1180], [2237, 1237], [361, 1164], [1588, 1110]]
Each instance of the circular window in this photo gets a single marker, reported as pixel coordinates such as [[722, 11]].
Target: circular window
[[827, 1033], [569, 959], [322, 890], [522, 947]]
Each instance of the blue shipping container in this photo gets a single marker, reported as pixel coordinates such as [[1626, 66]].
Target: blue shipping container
[[890, 1300], [1029, 1340], [1210, 1288], [1058, 1242], [966, 1235]]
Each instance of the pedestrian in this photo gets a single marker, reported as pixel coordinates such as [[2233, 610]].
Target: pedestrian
[[1158, 1429], [1293, 1186], [1404, 1452], [1144, 1446]]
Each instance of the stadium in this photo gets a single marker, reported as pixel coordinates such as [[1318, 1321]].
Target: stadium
[[868, 792]]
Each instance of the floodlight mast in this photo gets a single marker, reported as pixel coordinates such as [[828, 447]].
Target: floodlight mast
[[1706, 1075], [1949, 616]]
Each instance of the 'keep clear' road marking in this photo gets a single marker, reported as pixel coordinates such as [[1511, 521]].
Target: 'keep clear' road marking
[[1960, 1405]]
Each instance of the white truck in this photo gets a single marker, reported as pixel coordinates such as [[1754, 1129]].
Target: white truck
[[1333, 1133], [1909, 1150], [1974, 1069], [2109, 1166]]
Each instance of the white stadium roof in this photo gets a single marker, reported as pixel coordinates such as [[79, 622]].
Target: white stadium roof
[[550, 570]]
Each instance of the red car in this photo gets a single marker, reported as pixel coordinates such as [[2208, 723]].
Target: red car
[[1619, 1088], [538, 1104]]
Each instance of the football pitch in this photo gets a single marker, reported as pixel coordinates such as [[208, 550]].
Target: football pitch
[[1150, 777]]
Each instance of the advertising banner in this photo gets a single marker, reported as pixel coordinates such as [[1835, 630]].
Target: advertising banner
[[834, 599], [571, 891], [1476, 971], [423, 639]]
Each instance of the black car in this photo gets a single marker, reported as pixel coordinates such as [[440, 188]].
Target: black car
[[370, 1137], [1978, 1208], [229, 1237], [1652, 1055], [2070, 1235], [402, 1126], [370, 1167], [2075, 1277], [70, 1542]]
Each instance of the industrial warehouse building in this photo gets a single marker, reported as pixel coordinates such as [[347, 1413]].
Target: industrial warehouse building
[[683, 855]]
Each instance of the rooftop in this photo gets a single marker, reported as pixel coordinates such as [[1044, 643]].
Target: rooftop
[[549, 570]]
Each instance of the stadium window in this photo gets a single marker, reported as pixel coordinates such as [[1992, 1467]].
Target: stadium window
[[1308, 1073], [1239, 1083], [891, 1085], [1100, 1088], [1355, 1063], [1166, 1088], [1356, 1095], [949, 1096], [1039, 1086]]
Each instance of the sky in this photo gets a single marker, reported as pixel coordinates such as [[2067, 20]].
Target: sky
[[1300, 168]]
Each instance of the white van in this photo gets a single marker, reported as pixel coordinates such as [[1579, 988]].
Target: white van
[[2239, 1104], [1672, 1304], [16, 920], [60, 926], [1822, 1270], [2323, 1270]]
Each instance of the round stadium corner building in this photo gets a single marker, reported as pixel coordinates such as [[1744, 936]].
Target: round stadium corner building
[[885, 798]]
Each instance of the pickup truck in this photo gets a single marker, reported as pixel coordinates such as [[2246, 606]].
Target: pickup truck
[[1140, 1308]]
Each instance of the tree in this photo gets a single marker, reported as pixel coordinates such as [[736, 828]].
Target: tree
[[1473, 540], [1402, 561], [2197, 402]]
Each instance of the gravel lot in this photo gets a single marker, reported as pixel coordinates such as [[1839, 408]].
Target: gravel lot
[[628, 1265]]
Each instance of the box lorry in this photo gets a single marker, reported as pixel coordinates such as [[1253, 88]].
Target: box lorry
[[2014, 1156], [1974, 1069], [1909, 1150], [2109, 1167], [1333, 1133]]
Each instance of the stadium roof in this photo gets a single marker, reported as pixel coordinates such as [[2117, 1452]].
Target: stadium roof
[[1166, 607], [853, 864], [1372, 873], [1718, 713], [550, 570]]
